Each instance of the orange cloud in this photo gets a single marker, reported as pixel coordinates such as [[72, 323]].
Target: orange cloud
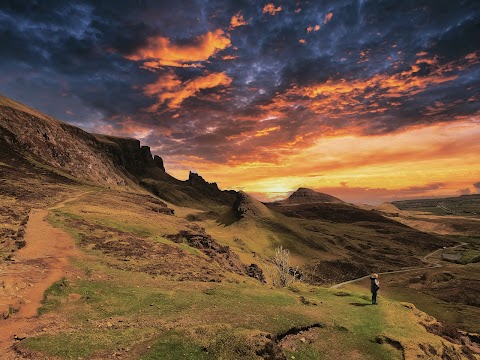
[[340, 98], [229, 57], [171, 91], [309, 29], [471, 56], [237, 20], [271, 9], [129, 128], [160, 51], [266, 131], [302, 41], [316, 28], [328, 17]]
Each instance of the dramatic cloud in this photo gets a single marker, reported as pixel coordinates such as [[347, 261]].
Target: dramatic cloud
[[271, 9], [381, 97], [170, 90], [237, 20], [160, 51]]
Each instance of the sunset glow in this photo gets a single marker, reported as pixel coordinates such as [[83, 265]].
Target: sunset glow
[[367, 102]]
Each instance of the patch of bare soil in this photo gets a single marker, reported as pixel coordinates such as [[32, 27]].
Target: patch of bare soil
[[44, 260]]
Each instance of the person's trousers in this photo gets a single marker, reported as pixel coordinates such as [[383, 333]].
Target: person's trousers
[[374, 297]]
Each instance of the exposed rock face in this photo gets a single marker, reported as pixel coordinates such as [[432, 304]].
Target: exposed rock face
[[61, 146], [128, 154], [158, 162], [308, 196], [255, 272], [198, 181], [99, 159]]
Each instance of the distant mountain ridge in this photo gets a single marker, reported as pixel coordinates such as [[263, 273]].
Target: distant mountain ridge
[[308, 196]]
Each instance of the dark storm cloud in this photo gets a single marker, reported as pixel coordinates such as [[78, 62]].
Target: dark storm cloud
[[206, 88]]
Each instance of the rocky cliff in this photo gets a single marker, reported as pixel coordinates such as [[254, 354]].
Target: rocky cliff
[[100, 159]]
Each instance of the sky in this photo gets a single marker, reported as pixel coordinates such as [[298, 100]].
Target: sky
[[367, 100]]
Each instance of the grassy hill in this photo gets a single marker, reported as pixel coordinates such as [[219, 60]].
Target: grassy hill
[[185, 305]]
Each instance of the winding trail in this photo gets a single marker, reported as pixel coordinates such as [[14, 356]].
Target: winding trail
[[425, 259], [44, 260]]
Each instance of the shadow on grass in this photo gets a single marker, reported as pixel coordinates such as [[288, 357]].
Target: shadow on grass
[[359, 304]]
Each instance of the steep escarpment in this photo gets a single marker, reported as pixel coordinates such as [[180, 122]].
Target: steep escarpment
[[129, 154], [100, 159]]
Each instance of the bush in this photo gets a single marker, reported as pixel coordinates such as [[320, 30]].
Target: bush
[[283, 274]]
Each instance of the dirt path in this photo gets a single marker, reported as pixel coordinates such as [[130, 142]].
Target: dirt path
[[44, 260], [425, 259]]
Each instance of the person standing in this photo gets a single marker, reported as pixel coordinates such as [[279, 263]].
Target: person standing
[[374, 287]]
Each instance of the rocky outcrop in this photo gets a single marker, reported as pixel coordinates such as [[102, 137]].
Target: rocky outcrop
[[66, 148], [196, 180], [245, 206], [158, 162], [129, 154], [221, 254]]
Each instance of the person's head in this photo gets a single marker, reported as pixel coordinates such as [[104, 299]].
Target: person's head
[[375, 276]]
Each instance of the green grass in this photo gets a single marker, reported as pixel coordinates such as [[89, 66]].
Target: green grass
[[305, 352], [174, 345], [210, 321], [53, 296], [82, 344]]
